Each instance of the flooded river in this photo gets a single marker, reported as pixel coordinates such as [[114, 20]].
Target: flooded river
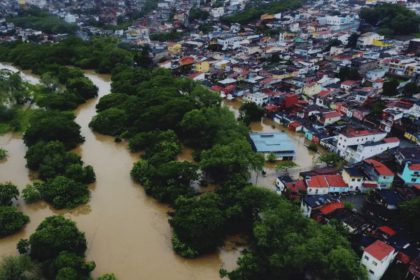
[[127, 232]]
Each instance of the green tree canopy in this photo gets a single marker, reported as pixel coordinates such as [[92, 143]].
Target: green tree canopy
[[251, 112], [63, 192], [51, 125], [222, 161], [8, 192], [11, 221], [55, 235], [199, 222], [19, 267], [410, 211]]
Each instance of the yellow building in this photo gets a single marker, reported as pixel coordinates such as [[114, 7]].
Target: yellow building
[[174, 48], [312, 89], [203, 66], [379, 43]]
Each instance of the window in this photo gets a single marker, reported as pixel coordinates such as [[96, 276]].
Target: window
[[358, 180], [413, 180], [371, 271], [374, 263], [366, 258], [353, 180]]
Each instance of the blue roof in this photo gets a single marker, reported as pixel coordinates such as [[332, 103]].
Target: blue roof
[[272, 142]]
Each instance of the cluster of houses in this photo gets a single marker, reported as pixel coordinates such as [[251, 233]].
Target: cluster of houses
[[314, 73]]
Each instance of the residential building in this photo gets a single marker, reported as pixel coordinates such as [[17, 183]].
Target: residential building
[[355, 137], [411, 173], [325, 184], [376, 258], [379, 172], [353, 177]]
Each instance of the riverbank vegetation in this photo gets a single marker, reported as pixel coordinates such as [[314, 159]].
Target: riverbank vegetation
[[56, 250], [51, 132], [15, 98], [49, 138], [11, 220], [3, 154], [391, 19], [101, 54], [177, 111]]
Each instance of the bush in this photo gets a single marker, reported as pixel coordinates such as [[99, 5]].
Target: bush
[[31, 193], [55, 235], [3, 154], [8, 192], [110, 121], [183, 249], [313, 147], [11, 220], [19, 267], [63, 192]]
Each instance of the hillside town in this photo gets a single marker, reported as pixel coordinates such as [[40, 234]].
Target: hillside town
[[351, 92]]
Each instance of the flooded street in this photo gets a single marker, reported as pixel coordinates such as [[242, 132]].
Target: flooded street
[[305, 159], [127, 232]]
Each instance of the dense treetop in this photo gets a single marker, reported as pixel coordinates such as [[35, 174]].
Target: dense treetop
[[38, 19], [392, 19]]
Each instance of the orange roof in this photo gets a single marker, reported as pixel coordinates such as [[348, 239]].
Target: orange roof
[[331, 207], [381, 168], [186, 60], [379, 250]]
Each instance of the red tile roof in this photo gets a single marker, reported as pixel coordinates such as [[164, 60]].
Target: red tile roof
[[360, 133], [381, 168], [379, 250], [296, 186], [391, 140], [331, 207], [349, 83], [317, 182], [370, 185], [217, 88], [335, 181], [324, 93], [332, 114], [387, 230], [414, 166], [229, 88], [325, 181]]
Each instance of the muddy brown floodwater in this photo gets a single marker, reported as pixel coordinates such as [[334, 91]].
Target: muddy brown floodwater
[[127, 232]]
